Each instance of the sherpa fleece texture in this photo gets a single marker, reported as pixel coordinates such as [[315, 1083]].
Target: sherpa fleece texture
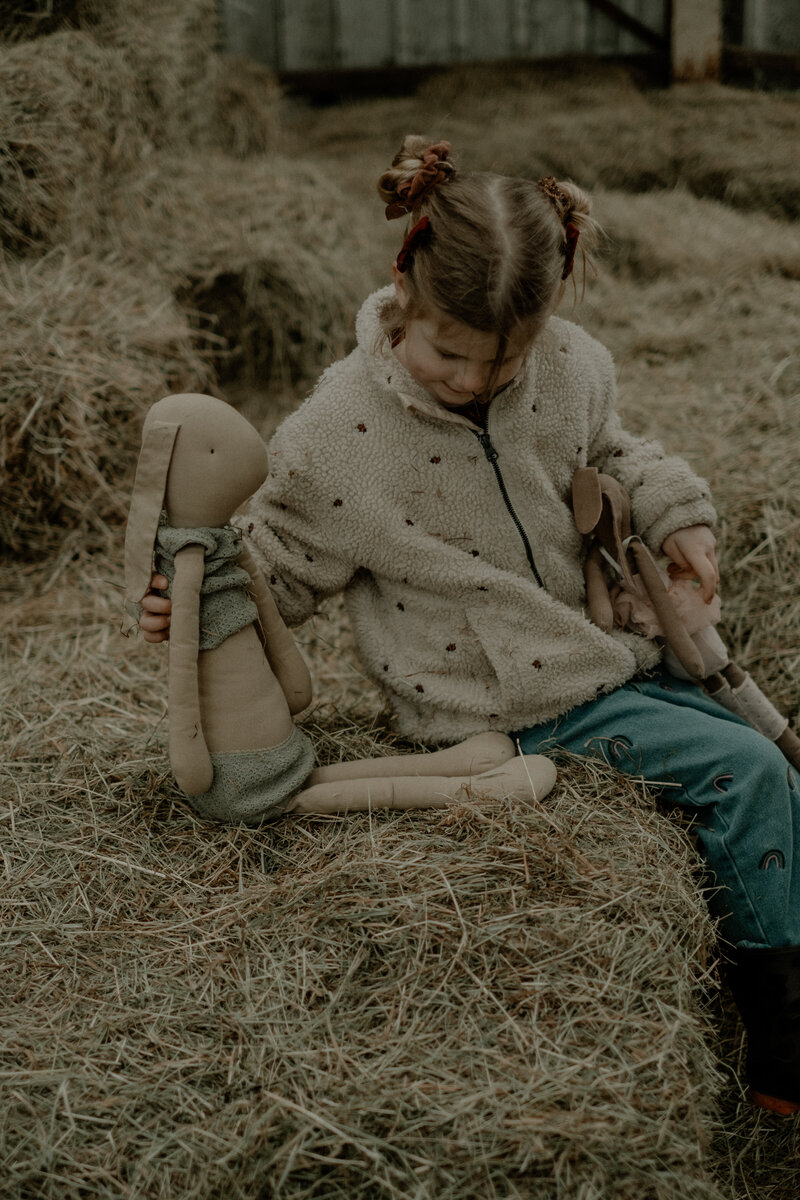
[[378, 492]]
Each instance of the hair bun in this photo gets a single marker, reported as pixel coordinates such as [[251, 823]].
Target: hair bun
[[417, 170]]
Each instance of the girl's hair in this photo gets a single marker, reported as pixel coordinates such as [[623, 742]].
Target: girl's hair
[[495, 249]]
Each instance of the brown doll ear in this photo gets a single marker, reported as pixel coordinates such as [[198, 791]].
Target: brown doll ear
[[158, 443], [587, 498]]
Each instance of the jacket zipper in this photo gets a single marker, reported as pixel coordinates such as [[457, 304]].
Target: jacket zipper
[[491, 454]]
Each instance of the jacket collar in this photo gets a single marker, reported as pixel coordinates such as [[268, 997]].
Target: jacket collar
[[388, 370]]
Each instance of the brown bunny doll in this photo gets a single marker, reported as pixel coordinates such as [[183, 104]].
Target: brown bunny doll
[[640, 600], [236, 677]]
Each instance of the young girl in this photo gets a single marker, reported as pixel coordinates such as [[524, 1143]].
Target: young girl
[[428, 478]]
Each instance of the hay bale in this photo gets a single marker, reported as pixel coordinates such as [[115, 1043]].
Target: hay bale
[[494, 1000], [248, 107], [254, 252], [721, 344], [85, 348], [190, 93], [599, 128], [172, 48], [82, 110], [674, 233], [261, 254], [69, 127]]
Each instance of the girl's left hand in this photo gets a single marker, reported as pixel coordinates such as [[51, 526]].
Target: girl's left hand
[[692, 553]]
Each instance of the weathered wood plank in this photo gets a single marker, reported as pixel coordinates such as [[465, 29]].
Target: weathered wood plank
[[325, 35], [423, 32], [490, 29], [772, 25], [306, 34], [652, 14], [696, 44], [622, 18], [364, 34], [248, 27]]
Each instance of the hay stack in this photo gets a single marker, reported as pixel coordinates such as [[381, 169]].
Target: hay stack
[[248, 107], [674, 234], [69, 127], [176, 267], [245, 260], [703, 308], [494, 1001], [259, 253], [173, 50], [82, 110], [597, 127], [85, 348]]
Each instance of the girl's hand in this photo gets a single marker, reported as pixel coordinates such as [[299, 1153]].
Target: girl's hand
[[155, 618], [692, 553]]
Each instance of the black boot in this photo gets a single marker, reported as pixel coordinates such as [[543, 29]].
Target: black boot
[[766, 988]]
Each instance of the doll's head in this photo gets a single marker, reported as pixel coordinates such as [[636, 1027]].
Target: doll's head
[[218, 460], [200, 460]]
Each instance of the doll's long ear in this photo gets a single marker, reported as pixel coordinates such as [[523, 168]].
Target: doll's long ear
[[147, 501], [587, 498]]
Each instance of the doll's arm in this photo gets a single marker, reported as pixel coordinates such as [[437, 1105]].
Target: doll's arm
[[191, 763], [282, 654]]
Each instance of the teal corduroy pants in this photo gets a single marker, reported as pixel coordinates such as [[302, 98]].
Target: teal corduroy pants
[[743, 792]]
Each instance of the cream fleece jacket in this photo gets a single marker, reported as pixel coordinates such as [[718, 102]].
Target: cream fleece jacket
[[376, 490]]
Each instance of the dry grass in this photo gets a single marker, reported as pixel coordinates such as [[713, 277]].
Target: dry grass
[[172, 269], [594, 125], [258, 252], [84, 348], [82, 111], [214, 271], [722, 143], [708, 363], [68, 120], [500, 1001], [497, 1000]]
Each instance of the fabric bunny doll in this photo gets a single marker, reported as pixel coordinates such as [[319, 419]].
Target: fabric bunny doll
[[236, 677], [641, 599]]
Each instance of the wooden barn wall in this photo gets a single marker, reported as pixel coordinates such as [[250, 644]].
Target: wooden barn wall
[[771, 25], [323, 35]]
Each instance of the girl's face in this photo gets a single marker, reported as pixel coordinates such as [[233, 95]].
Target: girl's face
[[452, 361]]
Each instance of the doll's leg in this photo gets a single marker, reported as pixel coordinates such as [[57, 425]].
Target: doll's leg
[[472, 757], [526, 777]]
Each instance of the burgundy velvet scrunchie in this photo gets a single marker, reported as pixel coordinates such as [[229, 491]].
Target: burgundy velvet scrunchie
[[405, 258], [434, 170]]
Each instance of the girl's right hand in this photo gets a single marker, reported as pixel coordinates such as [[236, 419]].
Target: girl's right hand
[[156, 610]]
